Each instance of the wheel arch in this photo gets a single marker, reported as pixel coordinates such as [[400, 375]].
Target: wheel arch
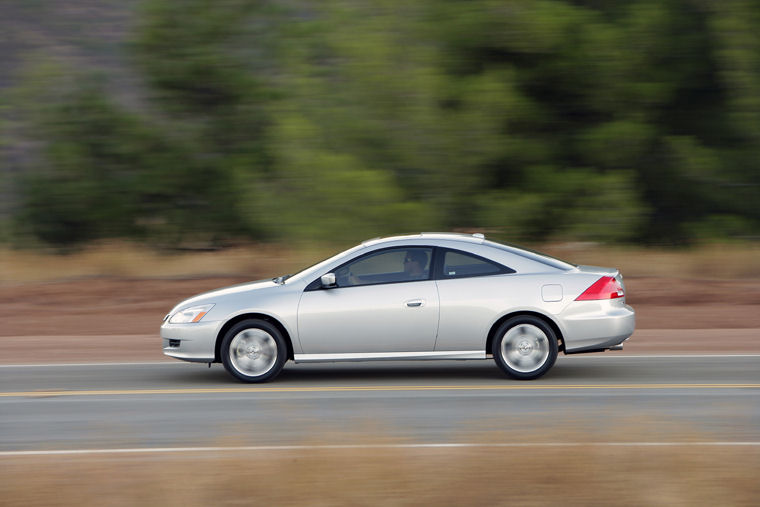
[[549, 321], [248, 316]]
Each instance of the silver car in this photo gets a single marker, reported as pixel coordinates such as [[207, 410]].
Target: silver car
[[424, 296]]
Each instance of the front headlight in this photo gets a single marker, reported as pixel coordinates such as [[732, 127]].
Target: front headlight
[[193, 314]]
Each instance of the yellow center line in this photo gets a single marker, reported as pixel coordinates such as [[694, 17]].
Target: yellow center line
[[328, 389]]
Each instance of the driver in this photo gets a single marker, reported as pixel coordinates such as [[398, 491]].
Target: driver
[[414, 264]]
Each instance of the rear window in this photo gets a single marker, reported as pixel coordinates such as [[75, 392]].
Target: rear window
[[460, 264], [533, 255]]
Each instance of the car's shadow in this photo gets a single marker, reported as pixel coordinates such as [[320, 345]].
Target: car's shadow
[[400, 372], [397, 373]]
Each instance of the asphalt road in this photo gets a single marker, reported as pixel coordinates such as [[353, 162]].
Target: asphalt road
[[597, 398]]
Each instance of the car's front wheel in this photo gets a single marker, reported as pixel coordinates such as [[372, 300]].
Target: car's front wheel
[[254, 351], [525, 347]]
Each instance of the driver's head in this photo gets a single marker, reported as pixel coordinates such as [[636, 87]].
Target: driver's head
[[415, 261]]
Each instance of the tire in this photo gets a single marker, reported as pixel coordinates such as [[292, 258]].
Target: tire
[[525, 347], [254, 351]]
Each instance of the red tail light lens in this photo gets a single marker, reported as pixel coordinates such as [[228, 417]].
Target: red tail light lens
[[604, 288]]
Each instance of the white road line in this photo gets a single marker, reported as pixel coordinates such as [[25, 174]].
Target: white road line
[[66, 365], [453, 445], [364, 388], [612, 355], [561, 358]]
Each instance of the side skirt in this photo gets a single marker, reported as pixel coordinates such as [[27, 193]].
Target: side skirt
[[390, 356]]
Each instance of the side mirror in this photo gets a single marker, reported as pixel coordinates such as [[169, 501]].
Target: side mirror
[[328, 280]]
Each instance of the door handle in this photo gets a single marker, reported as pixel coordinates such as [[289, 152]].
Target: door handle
[[415, 302]]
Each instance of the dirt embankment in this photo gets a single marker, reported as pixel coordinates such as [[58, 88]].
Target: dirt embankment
[[546, 475], [118, 319]]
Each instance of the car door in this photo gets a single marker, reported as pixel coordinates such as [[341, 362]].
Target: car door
[[379, 305]]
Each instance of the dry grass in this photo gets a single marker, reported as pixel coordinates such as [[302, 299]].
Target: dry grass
[[117, 259], [126, 260], [718, 261], [393, 476]]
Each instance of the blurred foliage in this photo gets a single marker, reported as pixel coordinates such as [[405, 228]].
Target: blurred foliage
[[340, 120]]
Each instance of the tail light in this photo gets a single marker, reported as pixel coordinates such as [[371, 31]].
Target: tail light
[[607, 287]]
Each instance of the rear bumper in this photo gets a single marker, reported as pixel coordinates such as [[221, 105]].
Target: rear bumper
[[190, 342], [596, 325]]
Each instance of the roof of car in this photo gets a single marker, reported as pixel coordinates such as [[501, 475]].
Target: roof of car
[[470, 238], [477, 239]]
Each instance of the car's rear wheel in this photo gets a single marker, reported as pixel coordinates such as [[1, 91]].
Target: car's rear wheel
[[525, 347], [254, 351]]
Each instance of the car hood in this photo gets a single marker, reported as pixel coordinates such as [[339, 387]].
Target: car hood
[[218, 295]]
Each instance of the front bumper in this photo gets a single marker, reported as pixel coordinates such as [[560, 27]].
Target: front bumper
[[191, 342], [596, 325]]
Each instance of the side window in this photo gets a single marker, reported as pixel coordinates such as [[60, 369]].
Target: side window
[[386, 266], [460, 264]]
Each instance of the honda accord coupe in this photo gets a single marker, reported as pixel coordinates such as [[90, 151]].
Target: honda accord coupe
[[423, 296]]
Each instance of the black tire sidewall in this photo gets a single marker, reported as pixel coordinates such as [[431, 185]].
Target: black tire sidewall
[[254, 324], [543, 326]]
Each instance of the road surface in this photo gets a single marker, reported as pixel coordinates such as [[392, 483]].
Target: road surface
[[591, 398]]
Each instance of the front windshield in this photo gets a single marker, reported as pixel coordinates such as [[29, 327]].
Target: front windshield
[[315, 268]]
